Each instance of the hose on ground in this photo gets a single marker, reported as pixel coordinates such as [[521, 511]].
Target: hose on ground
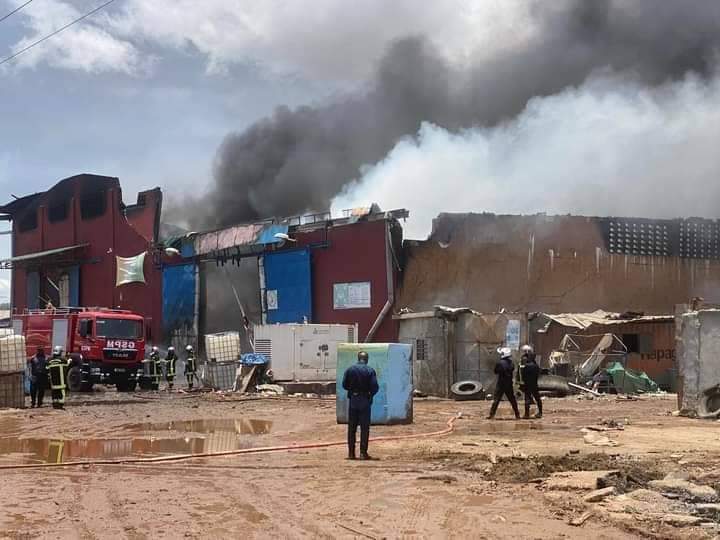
[[258, 450]]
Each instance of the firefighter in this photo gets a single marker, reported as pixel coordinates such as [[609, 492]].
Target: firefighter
[[56, 374], [190, 366], [530, 371], [155, 369], [38, 378], [170, 360], [504, 369]]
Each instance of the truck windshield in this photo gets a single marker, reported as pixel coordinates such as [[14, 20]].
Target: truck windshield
[[119, 328]]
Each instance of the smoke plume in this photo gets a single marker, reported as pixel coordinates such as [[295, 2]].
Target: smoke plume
[[592, 56]]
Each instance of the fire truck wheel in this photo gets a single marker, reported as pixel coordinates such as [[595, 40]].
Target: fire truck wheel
[[74, 379], [125, 386]]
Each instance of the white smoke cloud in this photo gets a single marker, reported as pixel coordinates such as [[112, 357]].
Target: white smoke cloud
[[324, 39], [85, 46], [609, 147]]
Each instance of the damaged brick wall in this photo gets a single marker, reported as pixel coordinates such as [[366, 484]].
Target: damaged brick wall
[[553, 264]]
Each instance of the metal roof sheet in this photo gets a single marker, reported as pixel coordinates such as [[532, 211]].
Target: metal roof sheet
[[39, 254]]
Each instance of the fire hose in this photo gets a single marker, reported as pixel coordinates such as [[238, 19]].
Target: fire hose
[[450, 427]]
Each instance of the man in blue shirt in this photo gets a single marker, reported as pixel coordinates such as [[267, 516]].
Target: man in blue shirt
[[360, 381]]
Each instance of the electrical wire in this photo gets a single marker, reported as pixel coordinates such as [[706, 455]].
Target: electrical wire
[[14, 11], [56, 32]]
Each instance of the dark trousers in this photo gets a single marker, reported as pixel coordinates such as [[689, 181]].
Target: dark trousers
[[358, 417], [532, 394], [37, 393], [58, 398], [507, 391], [190, 377]]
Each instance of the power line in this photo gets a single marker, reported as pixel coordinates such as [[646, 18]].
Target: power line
[[56, 32], [14, 11]]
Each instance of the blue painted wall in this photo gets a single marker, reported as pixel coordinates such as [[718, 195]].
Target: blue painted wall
[[393, 364], [288, 273], [178, 297]]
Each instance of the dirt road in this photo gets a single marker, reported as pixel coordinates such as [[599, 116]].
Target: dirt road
[[485, 480]]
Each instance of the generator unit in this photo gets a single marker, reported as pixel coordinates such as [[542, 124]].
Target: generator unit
[[303, 352]]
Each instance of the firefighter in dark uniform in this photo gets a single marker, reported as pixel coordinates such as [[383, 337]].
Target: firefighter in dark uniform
[[529, 373], [190, 366], [154, 369], [38, 378], [361, 384], [504, 370], [170, 360], [56, 374]]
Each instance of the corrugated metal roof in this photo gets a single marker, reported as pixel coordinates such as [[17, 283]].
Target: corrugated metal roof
[[600, 317]]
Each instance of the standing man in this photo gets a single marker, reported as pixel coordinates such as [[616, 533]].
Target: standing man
[[504, 369], [360, 381], [529, 372], [154, 369], [190, 366], [170, 360], [56, 374], [38, 378]]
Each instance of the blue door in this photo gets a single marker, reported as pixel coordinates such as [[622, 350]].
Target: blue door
[[288, 289]]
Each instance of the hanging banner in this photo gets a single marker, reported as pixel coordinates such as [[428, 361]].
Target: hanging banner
[[130, 269], [512, 334]]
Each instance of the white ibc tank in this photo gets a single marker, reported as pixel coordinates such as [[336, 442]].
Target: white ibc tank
[[222, 347], [12, 354]]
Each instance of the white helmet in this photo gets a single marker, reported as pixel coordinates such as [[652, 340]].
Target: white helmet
[[189, 348], [527, 349], [504, 352], [57, 349], [171, 349], [154, 349]]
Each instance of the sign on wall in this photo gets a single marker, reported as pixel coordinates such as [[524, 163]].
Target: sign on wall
[[272, 299], [351, 295], [512, 334]]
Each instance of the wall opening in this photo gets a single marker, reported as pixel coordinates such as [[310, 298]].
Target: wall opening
[[93, 205]]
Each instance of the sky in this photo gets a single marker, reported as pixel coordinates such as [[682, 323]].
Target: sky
[[146, 90]]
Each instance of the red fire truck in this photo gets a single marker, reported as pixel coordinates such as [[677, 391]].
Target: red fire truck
[[104, 346]]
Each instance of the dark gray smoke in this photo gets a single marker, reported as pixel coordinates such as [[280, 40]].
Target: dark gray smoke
[[299, 160]]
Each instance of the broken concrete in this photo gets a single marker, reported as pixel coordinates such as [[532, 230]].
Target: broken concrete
[[599, 494], [583, 480], [686, 490]]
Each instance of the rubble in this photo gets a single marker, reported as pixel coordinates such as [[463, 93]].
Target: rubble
[[595, 439], [599, 494], [686, 490], [583, 480]]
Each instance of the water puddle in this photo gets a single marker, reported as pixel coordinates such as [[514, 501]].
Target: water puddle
[[138, 440], [212, 425], [513, 426]]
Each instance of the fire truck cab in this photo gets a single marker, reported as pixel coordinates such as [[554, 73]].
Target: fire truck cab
[[104, 346]]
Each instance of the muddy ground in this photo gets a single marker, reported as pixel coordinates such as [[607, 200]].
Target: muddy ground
[[487, 479]]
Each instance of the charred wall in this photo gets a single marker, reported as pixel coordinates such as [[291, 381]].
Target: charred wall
[[556, 264]]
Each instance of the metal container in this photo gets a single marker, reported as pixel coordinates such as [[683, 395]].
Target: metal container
[[12, 394], [392, 363], [303, 352]]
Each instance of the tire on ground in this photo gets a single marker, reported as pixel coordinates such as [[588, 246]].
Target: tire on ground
[[553, 383], [709, 404], [466, 390]]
